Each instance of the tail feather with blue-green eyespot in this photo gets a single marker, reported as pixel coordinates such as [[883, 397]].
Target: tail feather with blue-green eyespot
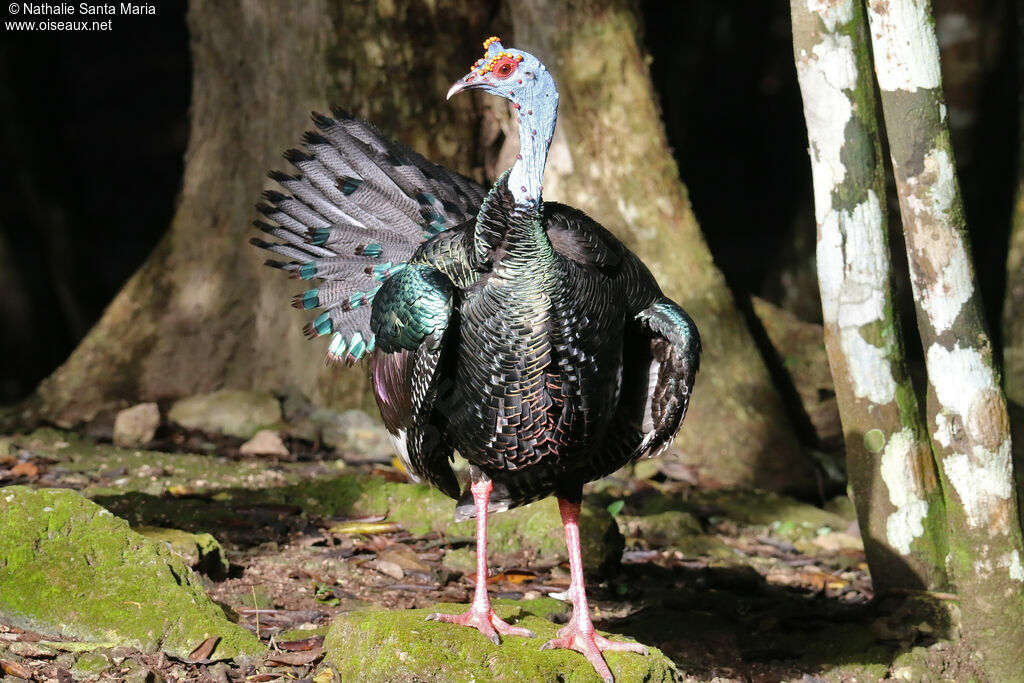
[[350, 218]]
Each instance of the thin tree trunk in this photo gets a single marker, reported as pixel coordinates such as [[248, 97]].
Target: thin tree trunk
[[610, 158], [891, 472], [966, 410]]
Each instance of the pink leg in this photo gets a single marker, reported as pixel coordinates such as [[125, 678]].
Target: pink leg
[[480, 614], [579, 633]]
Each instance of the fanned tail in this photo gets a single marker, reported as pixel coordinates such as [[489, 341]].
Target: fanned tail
[[356, 211]]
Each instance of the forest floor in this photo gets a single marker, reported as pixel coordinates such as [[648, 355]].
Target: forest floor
[[731, 585]]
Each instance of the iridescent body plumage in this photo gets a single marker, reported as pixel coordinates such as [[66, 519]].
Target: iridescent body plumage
[[519, 333]]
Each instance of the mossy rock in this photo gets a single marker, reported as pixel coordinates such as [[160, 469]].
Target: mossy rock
[[235, 413], [662, 528], [787, 517], [421, 509], [70, 567], [201, 552], [362, 645]]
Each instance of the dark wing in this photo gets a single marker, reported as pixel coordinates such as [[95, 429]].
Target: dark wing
[[355, 213], [661, 345], [671, 361], [410, 320]]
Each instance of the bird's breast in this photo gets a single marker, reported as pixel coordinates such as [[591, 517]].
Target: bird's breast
[[535, 371]]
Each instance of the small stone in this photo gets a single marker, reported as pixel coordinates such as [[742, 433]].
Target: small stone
[[404, 558], [264, 442], [389, 568], [834, 541], [235, 413], [137, 425], [462, 559], [358, 434]]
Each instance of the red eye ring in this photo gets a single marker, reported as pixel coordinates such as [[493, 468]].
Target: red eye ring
[[504, 67]]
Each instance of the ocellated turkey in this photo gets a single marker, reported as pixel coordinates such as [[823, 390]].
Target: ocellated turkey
[[517, 332]]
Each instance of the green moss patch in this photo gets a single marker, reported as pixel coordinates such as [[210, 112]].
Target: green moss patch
[[201, 552], [410, 648], [69, 566]]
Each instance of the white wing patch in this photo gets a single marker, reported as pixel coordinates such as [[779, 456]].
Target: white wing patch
[[400, 440], [652, 381]]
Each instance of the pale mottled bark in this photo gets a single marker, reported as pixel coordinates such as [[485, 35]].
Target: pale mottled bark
[[611, 159], [891, 472], [967, 414]]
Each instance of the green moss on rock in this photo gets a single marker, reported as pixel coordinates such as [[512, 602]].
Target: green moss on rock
[[201, 552], [662, 528], [421, 509], [786, 516], [410, 648], [69, 566], [236, 413]]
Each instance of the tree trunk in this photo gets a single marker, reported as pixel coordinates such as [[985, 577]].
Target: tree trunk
[[1013, 304], [967, 413], [891, 473], [203, 313], [611, 159]]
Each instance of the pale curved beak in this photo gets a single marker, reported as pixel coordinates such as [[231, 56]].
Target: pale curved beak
[[456, 88], [467, 82]]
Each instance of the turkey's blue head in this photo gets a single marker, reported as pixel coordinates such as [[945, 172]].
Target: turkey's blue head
[[513, 74], [520, 78]]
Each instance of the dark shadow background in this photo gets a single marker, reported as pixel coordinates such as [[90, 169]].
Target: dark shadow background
[[93, 128]]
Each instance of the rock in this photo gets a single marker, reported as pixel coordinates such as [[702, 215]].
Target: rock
[[89, 666], [404, 558], [660, 529], [72, 568], [360, 645], [264, 442], [537, 526], [800, 347], [137, 425], [201, 552], [353, 431], [356, 432], [235, 413]]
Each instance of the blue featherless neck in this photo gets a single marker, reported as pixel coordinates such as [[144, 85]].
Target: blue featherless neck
[[536, 115]]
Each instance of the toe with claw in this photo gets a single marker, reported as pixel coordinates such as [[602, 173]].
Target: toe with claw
[[486, 621], [591, 644]]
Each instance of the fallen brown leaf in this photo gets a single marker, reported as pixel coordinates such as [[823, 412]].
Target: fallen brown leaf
[[25, 469], [294, 658], [204, 650], [302, 645], [388, 568], [16, 669], [518, 576]]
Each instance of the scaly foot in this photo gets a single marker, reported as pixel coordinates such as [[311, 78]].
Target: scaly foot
[[590, 644], [485, 621]]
